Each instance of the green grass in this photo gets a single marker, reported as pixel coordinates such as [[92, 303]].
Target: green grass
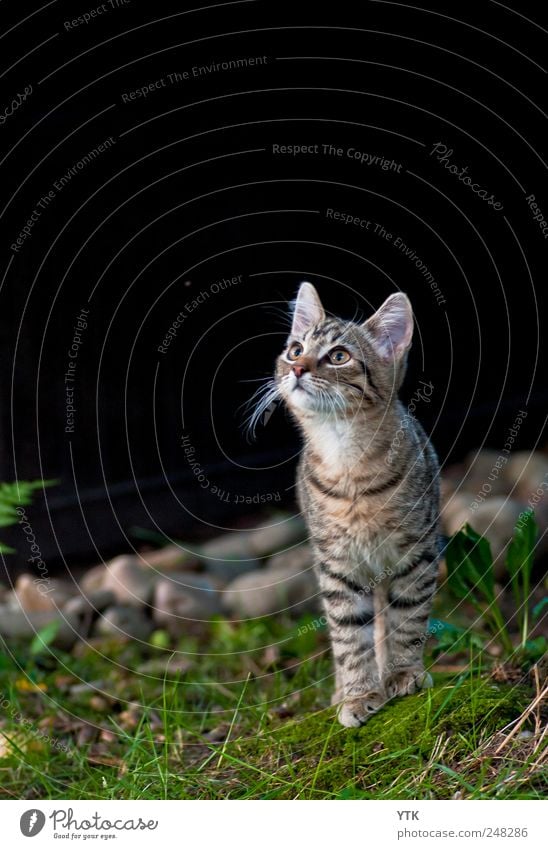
[[239, 721]]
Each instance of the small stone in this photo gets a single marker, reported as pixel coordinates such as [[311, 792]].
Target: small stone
[[95, 602], [107, 736], [129, 718], [124, 620], [277, 536], [41, 594], [454, 508], [182, 599], [297, 558], [526, 470], [525, 735], [86, 733], [226, 569], [18, 624], [99, 704], [289, 586], [171, 558], [83, 688], [160, 667], [482, 476], [130, 583], [93, 579], [234, 546]]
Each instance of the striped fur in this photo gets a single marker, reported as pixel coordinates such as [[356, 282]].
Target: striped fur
[[371, 501]]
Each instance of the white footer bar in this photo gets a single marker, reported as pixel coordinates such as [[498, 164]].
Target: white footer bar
[[275, 824]]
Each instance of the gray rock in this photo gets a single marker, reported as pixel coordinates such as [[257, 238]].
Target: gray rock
[[287, 586], [36, 594], [279, 534], [93, 579], [297, 558], [18, 624], [129, 581], [525, 735], [169, 665], [96, 601], [171, 558], [124, 620], [234, 546], [184, 600], [226, 569], [479, 466], [84, 688], [274, 536]]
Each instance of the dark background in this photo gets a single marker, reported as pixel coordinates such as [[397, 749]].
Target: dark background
[[191, 192]]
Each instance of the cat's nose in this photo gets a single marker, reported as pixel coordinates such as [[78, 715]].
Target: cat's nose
[[298, 371]]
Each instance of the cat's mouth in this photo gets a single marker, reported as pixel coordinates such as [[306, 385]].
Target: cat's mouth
[[300, 386]]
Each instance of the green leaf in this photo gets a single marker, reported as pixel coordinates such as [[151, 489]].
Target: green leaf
[[16, 494], [451, 639], [519, 559], [470, 566], [538, 608], [536, 648], [45, 637]]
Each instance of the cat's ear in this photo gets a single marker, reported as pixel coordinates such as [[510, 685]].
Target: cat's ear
[[391, 327], [307, 310]]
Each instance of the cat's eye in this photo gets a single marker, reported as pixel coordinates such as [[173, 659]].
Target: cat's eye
[[339, 356], [295, 351]]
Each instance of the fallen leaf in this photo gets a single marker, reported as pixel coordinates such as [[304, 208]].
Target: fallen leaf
[[26, 686]]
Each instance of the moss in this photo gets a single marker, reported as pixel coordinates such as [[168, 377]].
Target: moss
[[397, 740]]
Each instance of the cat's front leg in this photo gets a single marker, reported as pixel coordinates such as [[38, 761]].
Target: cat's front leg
[[350, 617], [409, 602]]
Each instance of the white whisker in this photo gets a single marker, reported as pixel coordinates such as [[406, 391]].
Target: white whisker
[[260, 401]]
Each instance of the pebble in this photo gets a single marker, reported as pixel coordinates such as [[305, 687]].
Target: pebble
[[124, 620], [226, 569], [130, 583], [285, 531], [99, 704], [171, 558], [481, 475], [24, 625], [525, 735], [164, 666], [297, 558], [526, 470], [289, 584], [41, 594], [281, 532], [93, 579], [82, 688], [454, 509], [90, 604], [182, 599]]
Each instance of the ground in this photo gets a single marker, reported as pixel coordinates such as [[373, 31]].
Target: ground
[[242, 713]]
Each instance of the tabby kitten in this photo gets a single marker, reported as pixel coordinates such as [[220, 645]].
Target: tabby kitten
[[370, 496]]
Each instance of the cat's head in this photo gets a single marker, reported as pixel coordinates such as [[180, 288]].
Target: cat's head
[[335, 367]]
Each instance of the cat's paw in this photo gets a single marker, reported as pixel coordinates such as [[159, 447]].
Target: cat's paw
[[357, 710], [405, 682]]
